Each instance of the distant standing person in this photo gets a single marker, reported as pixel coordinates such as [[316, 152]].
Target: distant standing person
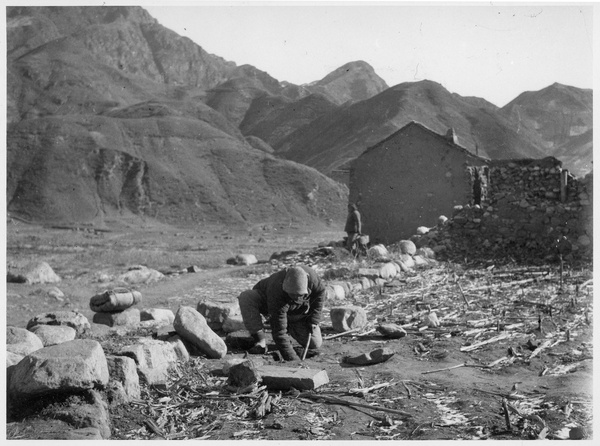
[[353, 227], [293, 300]]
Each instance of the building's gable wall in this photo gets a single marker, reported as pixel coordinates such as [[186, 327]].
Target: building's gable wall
[[408, 180]]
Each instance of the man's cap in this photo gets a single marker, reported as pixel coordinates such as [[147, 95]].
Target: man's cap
[[296, 281]]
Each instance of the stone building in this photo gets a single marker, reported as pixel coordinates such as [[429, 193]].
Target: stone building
[[519, 207], [411, 178]]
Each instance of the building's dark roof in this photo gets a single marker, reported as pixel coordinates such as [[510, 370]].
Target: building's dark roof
[[431, 132]]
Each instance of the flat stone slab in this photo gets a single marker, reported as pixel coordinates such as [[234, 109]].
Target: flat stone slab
[[284, 378]]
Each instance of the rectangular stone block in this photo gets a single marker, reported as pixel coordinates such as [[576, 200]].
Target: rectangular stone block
[[284, 378]]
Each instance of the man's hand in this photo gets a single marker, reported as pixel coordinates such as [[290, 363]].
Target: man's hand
[[312, 328]]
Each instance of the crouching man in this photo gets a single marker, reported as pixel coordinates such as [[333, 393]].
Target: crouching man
[[293, 301]]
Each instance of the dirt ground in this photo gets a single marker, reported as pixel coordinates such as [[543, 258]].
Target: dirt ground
[[445, 391]]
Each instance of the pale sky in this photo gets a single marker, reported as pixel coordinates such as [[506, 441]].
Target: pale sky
[[473, 49]]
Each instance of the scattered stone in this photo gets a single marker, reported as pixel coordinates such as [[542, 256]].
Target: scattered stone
[[407, 260], [40, 272], [422, 230], [233, 323], [179, 347], [140, 274], [245, 259], [285, 378], [283, 254], [15, 278], [126, 318], [375, 357], [347, 318], [403, 267], [123, 370], [157, 314], [431, 319], [22, 342], [193, 269], [392, 331], [153, 359], [426, 252], [13, 358], [68, 367], [216, 313], [71, 319], [378, 252], [240, 340], [371, 273], [114, 300], [388, 271], [54, 334], [420, 261], [243, 374], [192, 327], [56, 294]]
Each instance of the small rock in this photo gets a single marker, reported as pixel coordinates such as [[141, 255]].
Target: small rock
[[347, 318], [243, 374], [407, 247], [216, 313], [127, 318], [71, 319], [392, 331], [375, 357], [54, 334], [40, 272], [22, 342], [157, 314]]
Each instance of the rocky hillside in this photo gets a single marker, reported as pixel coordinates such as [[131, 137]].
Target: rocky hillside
[[107, 119], [334, 139], [561, 116]]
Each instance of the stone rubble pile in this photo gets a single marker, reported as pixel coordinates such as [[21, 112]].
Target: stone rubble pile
[[523, 217]]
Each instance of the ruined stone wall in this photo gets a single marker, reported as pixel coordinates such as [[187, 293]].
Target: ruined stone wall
[[525, 212]]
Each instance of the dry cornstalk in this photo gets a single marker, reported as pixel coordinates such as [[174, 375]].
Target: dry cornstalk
[[456, 367], [334, 400], [340, 334], [469, 348], [363, 391], [537, 351], [506, 415]]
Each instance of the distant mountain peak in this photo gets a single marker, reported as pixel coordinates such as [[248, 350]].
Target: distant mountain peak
[[352, 82]]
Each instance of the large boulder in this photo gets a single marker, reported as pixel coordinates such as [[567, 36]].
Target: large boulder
[[22, 342], [192, 327], [153, 359], [68, 367], [40, 272], [71, 319], [347, 318], [54, 334]]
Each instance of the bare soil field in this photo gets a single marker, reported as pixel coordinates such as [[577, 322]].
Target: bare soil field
[[511, 358]]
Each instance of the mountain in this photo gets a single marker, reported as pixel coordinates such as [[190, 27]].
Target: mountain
[[111, 114], [561, 117], [334, 139], [352, 82], [108, 118]]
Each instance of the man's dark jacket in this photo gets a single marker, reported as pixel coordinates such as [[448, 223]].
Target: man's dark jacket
[[280, 305]]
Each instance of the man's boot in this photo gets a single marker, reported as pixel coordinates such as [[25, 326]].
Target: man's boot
[[260, 343]]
